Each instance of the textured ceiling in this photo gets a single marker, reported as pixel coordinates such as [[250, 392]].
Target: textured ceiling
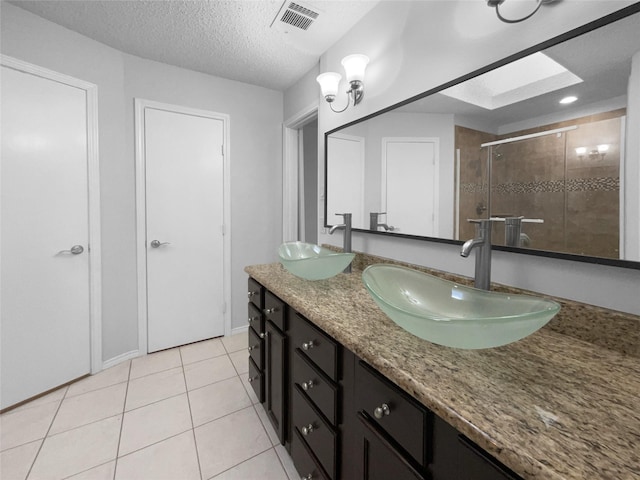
[[227, 38]]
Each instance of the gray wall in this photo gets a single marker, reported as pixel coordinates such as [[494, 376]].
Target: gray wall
[[310, 152], [256, 166], [415, 46]]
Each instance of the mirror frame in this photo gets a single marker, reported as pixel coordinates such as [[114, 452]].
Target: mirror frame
[[571, 34]]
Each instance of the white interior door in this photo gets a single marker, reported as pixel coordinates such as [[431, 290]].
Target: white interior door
[[345, 181], [45, 235], [184, 227], [410, 185]]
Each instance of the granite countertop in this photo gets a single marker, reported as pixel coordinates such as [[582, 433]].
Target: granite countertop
[[550, 406]]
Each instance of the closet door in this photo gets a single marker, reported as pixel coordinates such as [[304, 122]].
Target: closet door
[[45, 235]]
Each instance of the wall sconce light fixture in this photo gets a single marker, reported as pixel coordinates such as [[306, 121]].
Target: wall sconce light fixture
[[599, 151], [354, 67], [496, 4]]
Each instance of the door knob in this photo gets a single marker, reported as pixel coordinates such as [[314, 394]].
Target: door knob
[[75, 250], [158, 243]]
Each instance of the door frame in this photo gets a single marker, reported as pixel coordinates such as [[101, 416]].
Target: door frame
[[141, 211], [292, 171], [94, 249]]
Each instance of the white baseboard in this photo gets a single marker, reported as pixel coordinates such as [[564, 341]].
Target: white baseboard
[[239, 330], [112, 362]]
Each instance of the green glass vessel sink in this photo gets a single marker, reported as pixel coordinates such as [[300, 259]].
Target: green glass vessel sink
[[453, 315], [312, 262]]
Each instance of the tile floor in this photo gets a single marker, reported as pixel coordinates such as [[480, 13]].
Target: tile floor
[[181, 414]]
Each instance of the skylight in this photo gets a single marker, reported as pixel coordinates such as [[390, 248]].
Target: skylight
[[526, 78]]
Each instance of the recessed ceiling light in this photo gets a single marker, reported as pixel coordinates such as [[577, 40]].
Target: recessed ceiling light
[[567, 100]]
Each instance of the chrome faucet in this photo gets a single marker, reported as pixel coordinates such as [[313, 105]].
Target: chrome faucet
[[482, 240], [373, 222], [347, 235]]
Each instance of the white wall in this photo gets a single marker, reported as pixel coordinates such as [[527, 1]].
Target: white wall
[[415, 46], [256, 165]]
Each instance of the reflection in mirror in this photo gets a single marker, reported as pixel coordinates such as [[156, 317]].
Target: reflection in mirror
[[502, 146]]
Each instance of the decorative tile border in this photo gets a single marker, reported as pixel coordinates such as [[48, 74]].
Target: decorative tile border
[[601, 184]]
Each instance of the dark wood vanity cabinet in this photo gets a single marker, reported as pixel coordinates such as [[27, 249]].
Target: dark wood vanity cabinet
[[338, 417]]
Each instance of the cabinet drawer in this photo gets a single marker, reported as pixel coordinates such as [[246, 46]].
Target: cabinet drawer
[[303, 459], [317, 434], [256, 349], [255, 292], [316, 345], [274, 310], [380, 460], [256, 379], [256, 320], [320, 389], [403, 418]]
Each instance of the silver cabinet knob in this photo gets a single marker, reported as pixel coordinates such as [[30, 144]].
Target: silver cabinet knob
[[251, 379], [253, 347], [261, 335], [307, 385], [75, 250], [308, 345], [307, 477], [251, 294], [307, 429], [269, 311], [381, 411], [253, 319], [158, 243]]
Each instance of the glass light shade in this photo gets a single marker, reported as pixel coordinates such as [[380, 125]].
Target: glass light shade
[[603, 148], [354, 66], [581, 150], [329, 83]]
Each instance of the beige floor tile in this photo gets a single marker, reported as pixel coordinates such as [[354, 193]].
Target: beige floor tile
[[171, 459], [287, 462], [217, 400], [153, 423], [155, 362], [157, 386], [240, 361], [26, 425], [106, 378], [89, 407], [273, 436], [77, 450], [265, 466], [249, 388], [101, 472], [235, 342], [230, 440], [55, 396], [202, 350], [16, 462], [209, 371]]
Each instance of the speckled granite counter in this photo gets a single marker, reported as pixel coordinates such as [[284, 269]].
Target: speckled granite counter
[[551, 406]]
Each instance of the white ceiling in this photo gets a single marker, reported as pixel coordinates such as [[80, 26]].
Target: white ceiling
[[228, 38]]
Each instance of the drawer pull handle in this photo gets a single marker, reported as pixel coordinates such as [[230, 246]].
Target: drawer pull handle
[[252, 319], [381, 411], [261, 335], [307, 477], [253, 347], [269, 311], [251, 379], [308, 385], [251, 294], [307, 430], [308, 345]]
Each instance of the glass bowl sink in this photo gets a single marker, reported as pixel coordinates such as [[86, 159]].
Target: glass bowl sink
[[312, 262], [453, 315]]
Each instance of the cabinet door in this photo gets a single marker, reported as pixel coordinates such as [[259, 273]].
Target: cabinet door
[[379, 460], [275, 393]]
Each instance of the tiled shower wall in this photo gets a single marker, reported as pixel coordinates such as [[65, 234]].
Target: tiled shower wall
[[577, 197]]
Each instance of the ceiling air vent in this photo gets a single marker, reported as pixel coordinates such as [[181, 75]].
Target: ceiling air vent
[[296, 15]]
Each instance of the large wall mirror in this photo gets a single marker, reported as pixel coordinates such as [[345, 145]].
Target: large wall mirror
[[498, 144]]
